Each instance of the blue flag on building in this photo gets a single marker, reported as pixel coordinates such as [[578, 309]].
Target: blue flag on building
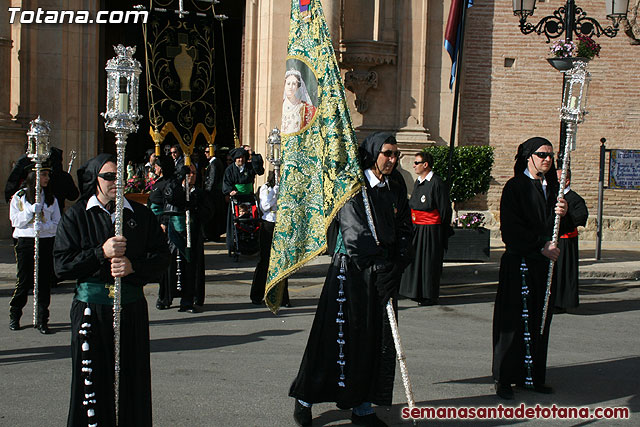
[[453, 33]]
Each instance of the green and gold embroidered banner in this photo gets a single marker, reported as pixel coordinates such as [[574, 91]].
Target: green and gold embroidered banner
[[320, 169]]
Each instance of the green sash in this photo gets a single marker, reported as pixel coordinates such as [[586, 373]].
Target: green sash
[[96, 292], [156, 208], [245, 188]]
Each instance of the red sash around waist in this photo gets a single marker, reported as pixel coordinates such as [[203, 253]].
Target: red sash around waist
[[425, 218], [570, 234]]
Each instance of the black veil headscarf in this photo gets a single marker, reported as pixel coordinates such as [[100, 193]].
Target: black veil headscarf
[[526, 149], [88, 174], [371, 146]]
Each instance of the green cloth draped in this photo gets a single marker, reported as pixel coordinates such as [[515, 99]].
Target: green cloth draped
[[320, 169]]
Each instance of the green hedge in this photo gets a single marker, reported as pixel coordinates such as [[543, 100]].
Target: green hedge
[[471, 173]]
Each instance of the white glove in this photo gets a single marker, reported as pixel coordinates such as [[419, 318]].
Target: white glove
[[36, 207]]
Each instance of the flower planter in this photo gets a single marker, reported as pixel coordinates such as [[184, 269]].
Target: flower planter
[[138, 197], [468, 244], [565, 64]]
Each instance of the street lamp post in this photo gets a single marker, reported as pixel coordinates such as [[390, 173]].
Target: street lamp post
[[567, 20], [570, 19]]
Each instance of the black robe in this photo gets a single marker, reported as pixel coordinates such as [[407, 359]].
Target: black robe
[[216, 224], [369, 352], [192, 276], [567, 263], [233, 176], [78, 256], [526, 223], [421, 280]]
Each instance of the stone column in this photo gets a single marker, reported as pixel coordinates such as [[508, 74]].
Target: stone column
[[5, 65], [266, 37], [332, 14], [412, 74], [12, 135]]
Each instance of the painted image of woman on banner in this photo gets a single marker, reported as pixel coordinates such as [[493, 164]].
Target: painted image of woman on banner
[[297, 108]]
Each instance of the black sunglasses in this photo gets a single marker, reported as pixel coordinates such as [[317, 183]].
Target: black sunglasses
[[390, 153], [108, 176], [543, 154], [418, 163]]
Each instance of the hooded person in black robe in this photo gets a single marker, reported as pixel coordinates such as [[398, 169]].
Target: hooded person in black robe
[[238, 181], [350, 355], [187, 263], [527, 213], [87, 251], [566, 284], [431, 217]]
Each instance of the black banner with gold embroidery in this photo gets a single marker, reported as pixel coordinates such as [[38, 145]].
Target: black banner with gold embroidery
[[180, 71]]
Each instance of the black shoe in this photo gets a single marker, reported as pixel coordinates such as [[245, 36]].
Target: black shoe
[[44, 329], [287, 304], [544, 389], [254, 302], [428, 302], [504, 391], [184, 308], [162, 306], [370, 420], [193, 310], [302, 414], [14, 324]]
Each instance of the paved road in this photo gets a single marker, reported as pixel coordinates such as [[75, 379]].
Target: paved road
[[233, 364]]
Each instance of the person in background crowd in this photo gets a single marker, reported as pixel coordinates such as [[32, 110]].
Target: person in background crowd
[[238, 179], [189, 261], [213, 175], [22, 212], [87, 251], [350, 355], [176, 155], [527, 213], [567, 281], [61, 182], [268, 207], [431, 217]]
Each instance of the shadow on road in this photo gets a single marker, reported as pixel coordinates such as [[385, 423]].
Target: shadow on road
[[207, 342]]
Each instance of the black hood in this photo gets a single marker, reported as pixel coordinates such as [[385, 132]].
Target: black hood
[[236, 153], [525, 150], [371, 146], [88, 174]]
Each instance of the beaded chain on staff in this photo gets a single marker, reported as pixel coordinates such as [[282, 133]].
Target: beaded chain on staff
[[528, 360], [89, 401], [340, 319]]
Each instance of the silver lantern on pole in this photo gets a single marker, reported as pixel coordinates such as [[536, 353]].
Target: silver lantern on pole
[[572, 112], [275, 153], [121, 117], [38, 152]]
